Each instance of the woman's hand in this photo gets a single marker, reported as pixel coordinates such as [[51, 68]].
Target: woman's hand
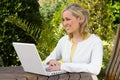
[[53, 65]]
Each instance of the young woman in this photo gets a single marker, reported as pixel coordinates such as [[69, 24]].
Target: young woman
[[80, 51]]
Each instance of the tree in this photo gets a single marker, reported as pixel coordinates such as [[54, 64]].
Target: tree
[[10, 32]]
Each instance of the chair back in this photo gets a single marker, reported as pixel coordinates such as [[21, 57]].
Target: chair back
[[113, 69]]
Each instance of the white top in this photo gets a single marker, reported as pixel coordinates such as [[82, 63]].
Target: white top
[[87, 57]]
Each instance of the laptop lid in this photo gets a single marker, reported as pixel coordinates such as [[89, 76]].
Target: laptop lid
[[29, 58]]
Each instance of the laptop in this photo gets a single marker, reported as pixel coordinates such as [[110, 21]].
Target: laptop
[[30, 59]]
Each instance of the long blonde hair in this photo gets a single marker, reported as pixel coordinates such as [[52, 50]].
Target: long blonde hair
[[77, 10]]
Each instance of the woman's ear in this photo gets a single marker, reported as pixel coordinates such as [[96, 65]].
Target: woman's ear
[[81, 18]]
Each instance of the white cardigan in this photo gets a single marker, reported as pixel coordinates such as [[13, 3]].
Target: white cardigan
[[87, 57]]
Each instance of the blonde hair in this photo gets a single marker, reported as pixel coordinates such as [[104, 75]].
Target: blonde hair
[[77, 10]]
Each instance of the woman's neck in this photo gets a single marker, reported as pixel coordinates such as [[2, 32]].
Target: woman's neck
[[78, 38]]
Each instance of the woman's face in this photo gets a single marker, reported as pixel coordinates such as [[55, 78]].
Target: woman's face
[[70, 22]]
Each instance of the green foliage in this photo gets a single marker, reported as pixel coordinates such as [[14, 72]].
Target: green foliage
[[50, 33], [31, 30], [10, 32]]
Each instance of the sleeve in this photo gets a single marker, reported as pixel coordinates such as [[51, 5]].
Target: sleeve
[[55, 54], [93, 67]]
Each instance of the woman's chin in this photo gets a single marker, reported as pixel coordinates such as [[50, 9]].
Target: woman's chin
[[69, 32]]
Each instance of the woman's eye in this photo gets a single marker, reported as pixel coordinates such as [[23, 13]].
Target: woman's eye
[[67, 19]]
